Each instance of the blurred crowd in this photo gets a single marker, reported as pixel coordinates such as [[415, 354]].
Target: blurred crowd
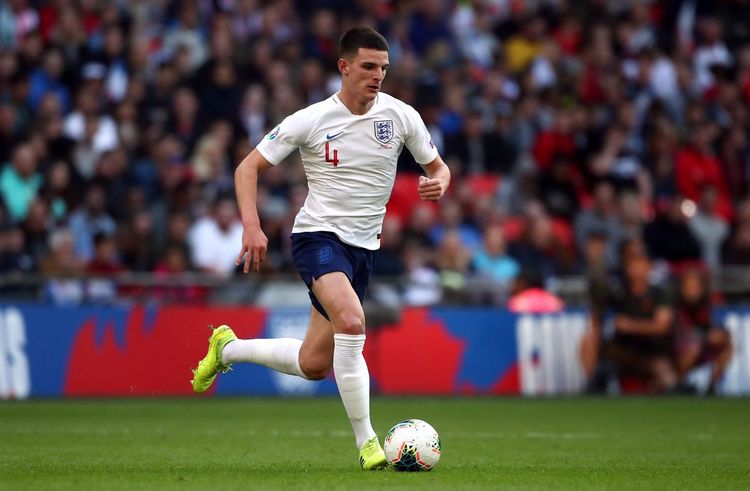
[[572, 129]]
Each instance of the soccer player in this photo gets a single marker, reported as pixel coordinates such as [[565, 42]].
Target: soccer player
[[349, 145]]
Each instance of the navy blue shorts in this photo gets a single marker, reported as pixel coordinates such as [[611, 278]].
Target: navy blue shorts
[[319, 253]]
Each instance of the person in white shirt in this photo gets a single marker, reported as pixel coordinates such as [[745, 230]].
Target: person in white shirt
[[349, 145], [213, 239]]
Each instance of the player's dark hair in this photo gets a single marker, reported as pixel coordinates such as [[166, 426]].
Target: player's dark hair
[[361, 37]]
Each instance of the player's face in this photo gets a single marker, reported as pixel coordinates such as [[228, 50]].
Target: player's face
[[364, 73]]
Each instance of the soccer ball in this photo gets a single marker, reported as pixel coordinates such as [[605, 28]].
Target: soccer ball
[[412, 445]]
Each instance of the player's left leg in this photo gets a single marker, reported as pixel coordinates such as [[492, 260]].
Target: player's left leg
[[280, 354], [311, 359]]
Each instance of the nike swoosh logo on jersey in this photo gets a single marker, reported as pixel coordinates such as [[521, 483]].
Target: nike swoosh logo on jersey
[[331, 137]]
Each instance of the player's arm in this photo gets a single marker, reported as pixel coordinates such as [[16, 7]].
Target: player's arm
[[434, 186], [657, 325], [254, 241]]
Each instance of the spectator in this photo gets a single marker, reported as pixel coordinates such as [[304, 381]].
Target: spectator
[[540, 248], [737, 250], [47, 79], [209, 160], [669, 237], [137, 242], [90, 218], [601, 216], [114, 61], [643, 320], [14, 258], [161, 89], [478, 150], [530, 297], [698, 340], [523, 47], [711, 52], [221, 97], [36, 227], [557, 189], [183, 121], [733, 153], [20, 182], [94, 132], [214, 240], [102, 287], [599, 284], [104, 261], [453, 261], [556, 142], [697, 166], [492, 261], [389, 258], [421, 222], [618, 161], [58, 190], [172, 266], [630, 214], [62, 260], [709, 228], [187, 34], [428, 28], [452, 219], [253, 116], [63, 269], [422, 285]]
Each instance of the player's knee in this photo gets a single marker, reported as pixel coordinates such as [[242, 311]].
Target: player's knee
[[316, 373], [349, 323], [315, 369]]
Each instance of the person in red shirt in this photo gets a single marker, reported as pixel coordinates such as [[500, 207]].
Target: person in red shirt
[[556, 141], [104, 262], [696, 166]]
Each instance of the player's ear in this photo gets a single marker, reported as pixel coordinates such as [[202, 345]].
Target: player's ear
[[343, 67]]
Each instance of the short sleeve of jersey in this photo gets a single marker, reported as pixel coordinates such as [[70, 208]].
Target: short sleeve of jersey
[[285, 138], [418, 139]]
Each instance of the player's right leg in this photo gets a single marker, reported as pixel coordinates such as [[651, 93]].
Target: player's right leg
[[336, 294]]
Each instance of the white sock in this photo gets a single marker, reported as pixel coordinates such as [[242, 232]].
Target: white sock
[[353, 381], [281, 354]]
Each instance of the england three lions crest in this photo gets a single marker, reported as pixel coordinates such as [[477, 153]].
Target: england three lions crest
[[384, 130]]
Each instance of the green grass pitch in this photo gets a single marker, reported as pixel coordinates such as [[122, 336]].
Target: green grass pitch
[[226, 444]]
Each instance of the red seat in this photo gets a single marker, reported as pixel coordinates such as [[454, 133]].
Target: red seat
[[482, 184], [564, 232], [404, 196]]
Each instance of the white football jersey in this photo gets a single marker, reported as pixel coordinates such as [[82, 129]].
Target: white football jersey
[[350, 163]]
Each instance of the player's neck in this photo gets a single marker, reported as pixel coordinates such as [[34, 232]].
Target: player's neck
[[354, 105]]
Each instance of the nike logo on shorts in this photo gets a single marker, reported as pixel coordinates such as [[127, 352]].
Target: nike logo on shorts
[[331, 137]]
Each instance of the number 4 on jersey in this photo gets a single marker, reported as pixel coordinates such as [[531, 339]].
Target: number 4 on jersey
[[335, 160]]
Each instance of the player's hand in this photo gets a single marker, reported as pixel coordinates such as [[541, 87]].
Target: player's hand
[[254, 247], [431, 189]]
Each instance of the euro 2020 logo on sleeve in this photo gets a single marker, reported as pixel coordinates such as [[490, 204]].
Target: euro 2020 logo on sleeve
[[384, 130], [273, 134]]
